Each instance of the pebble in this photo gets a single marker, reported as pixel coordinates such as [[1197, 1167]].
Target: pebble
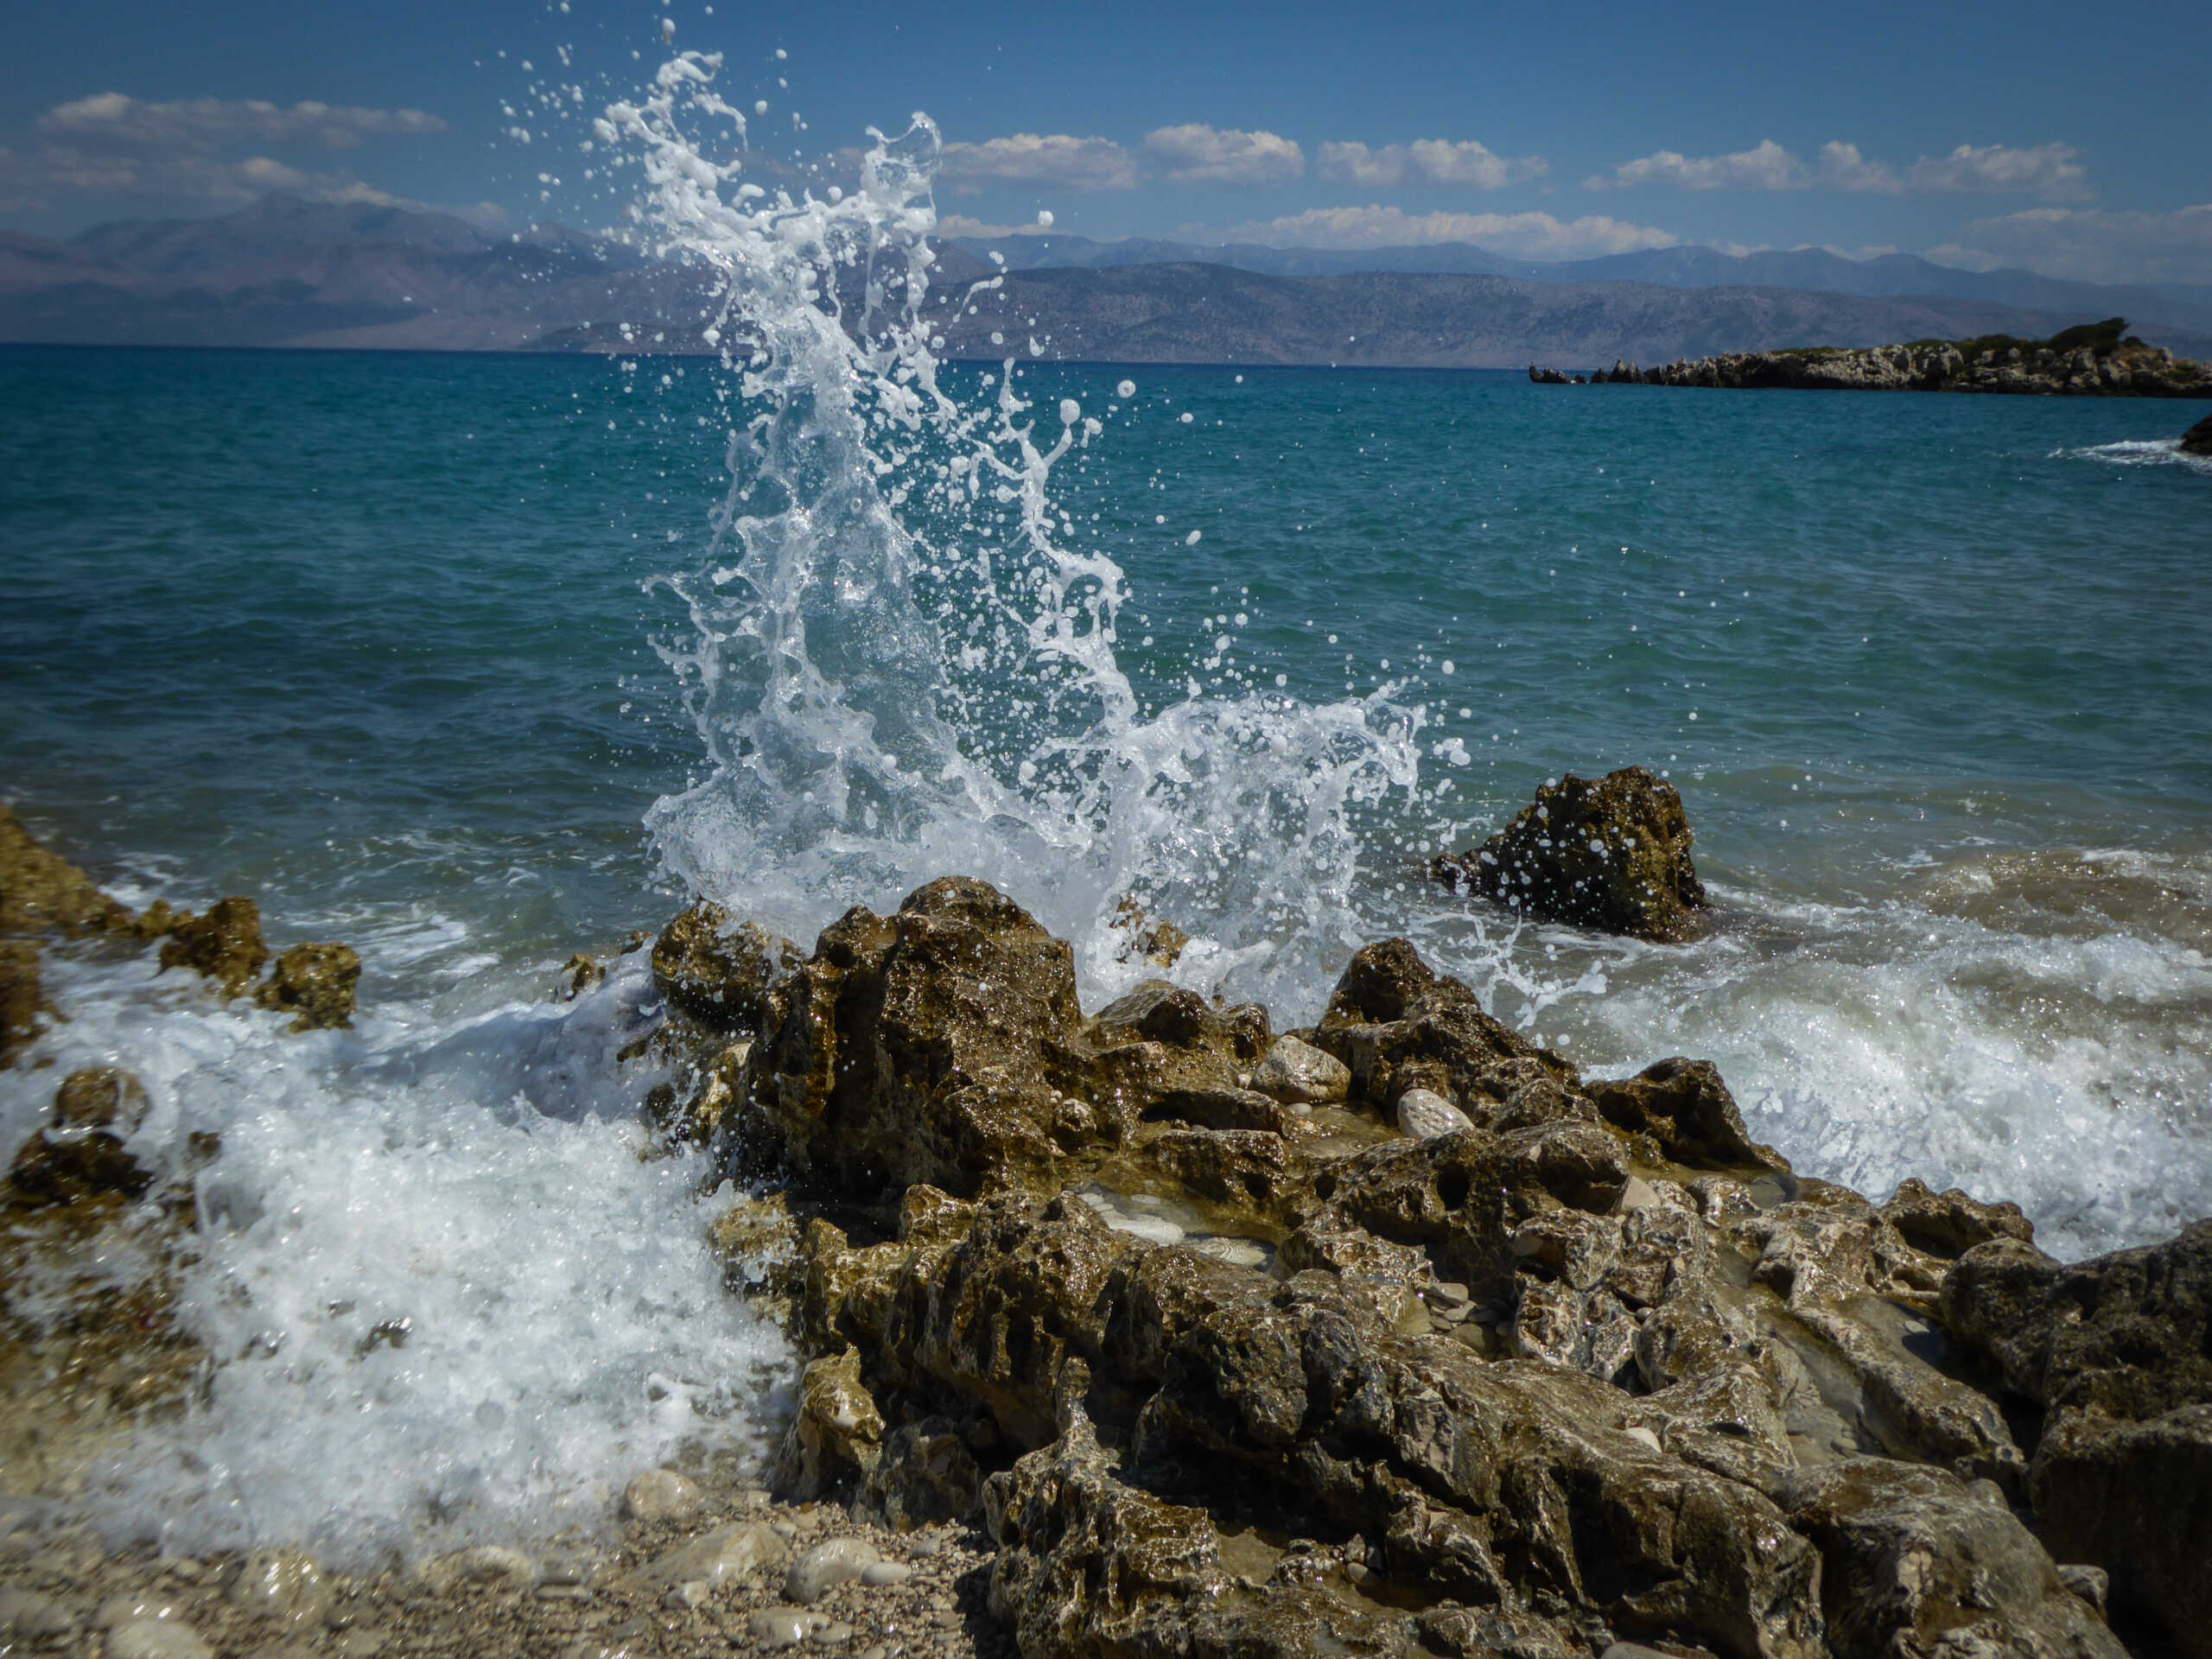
[[1636, 1194], [928, 1544], [493, 1565], [878, 1575], [661, 1494], [284, 1584], [838, 1561], [785, 1627], [1237, 1252], [128, 1610], [736, 1551], [1297, 1073], [1423, 1115], [1645, 1435], [30, 1616], [155, 1638]]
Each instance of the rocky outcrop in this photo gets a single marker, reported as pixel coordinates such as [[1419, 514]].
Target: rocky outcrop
[[1230, 1365], [315, 983], [2197, 441], [224, 945], [1613, 854], [719, 970], [2094, 361], [2118, 1352]]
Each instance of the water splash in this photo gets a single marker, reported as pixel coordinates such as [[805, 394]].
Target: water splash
[[900, 662]]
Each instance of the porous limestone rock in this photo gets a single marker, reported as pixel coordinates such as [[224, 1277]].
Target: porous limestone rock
[[40, 891], [22, 997], [1950, 1223], [1301, 1075], [1684, 1111], [315, 982], [224, 945], [2197, 441], [718, 970], [1612, 854]]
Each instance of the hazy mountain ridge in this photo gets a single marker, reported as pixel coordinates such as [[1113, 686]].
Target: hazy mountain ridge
[[288, 273]]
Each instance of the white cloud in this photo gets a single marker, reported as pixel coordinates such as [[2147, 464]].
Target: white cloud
[[961, 224], [1768, 167], [2091, 245], [114, 119], [1531, 236], [1428, 161], [112, 144], [1056, 159], [1203, 155], [2053, 172]]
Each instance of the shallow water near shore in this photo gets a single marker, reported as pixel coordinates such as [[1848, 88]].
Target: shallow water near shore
[[370, 637]]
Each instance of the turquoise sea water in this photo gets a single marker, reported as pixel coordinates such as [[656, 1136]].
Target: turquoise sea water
[[370, 638]]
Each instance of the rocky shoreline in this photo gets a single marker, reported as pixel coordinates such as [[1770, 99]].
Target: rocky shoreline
[[2097, 360], [1156, 1331]]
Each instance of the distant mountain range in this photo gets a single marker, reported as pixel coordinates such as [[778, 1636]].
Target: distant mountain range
[[1892, 275], [288, 273]]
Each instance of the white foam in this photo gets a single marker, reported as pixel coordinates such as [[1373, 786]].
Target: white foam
[[2143, 452], [479, 1179]]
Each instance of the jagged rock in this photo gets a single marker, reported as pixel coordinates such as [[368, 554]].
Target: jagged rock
[[2128, 1335], [837, 1431], [935, 1045], [1685, 1111], [1547, 377], [41, 892], [1612, 854], [225, 944], [2197, 441], [2119, 1351], [315, 982], [22, 997], [719, 971], [1297, 1072], [1397, 1024], [1915, 1561], [1950, 1223], [2092, 360], [1160, 942], [2135, 1497]]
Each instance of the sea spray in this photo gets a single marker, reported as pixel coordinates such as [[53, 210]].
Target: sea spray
[[902, 663]]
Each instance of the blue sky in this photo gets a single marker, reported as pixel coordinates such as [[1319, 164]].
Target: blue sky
[[1979, 134]]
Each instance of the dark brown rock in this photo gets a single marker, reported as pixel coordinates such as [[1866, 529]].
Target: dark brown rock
[[1915, 1561], [101, 1097], [22, 997], [1687, 1113], [82, 1154], [2197, 441], [2135, 1497], [316, 983], [225, 944], [1613, 854], [717, 970], [41, 892], [2128, 1335]]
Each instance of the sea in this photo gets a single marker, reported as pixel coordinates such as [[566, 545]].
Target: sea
[[475, 662]]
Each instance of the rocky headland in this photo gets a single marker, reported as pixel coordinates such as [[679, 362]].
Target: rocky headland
[[1154, 1330], [2095, 360]]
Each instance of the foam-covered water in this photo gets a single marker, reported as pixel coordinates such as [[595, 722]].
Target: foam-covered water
[[369, 638]]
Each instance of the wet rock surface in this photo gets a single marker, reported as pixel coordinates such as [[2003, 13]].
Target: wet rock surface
[[2197, 441], [1612, 854], [315, 983], [2094, 361]]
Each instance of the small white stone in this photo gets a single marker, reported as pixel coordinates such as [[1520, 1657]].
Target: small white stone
[[878, 1575], [1423, 1115], [689, 1595], [1237, 1252], [660, 1495], [1297, 1073], [1636, 1194], [838, 1561], [783, 1627], [155, 1638], [1639, 1432]]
